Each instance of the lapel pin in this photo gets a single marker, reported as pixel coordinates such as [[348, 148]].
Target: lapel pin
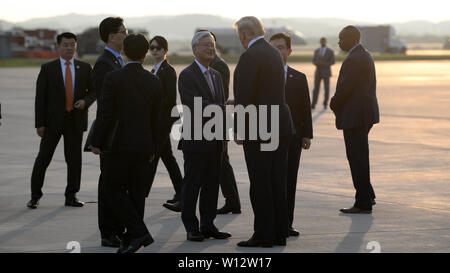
[[290, 76], [78, 67]]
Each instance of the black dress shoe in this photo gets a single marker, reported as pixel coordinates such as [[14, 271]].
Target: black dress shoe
[[279, 242], [195, 236], [227, 209], [135, 244], [216, 234], [356, 210], [112, 241], [175, 199], [33, 204], [256, 243], [73, 203], [293, 232], [173, 207]]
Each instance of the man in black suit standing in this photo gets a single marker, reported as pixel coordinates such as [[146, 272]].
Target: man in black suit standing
[[130, 101], [64, 92], [259, 81], [202, 157], [297, 97], [227, 178], [112, 32], [323, 60], [356, 108]]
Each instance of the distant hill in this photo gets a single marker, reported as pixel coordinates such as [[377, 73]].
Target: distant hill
[[181, 27]]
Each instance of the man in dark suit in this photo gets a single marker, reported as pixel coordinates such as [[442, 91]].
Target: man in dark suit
[[356, 108], [202, 157], [64, 92], [112, 32], [130, 101], [227, 178], [323, 60], [259, 81], [297, 97], [166, 73]]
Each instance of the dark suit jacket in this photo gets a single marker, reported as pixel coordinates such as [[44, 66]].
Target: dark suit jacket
[[355, 102], [50, 103], [259, 80], [220, 65], [105, 63], [132, 96], [168, 78], [192, 83], [297, 97], [324, 70]]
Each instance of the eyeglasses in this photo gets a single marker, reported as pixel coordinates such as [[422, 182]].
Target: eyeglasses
[[125, 32], [210, 45], [158, 48]]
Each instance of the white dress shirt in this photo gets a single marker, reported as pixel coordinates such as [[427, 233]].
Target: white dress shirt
[[72, 69], [157, 66], [254, 40]]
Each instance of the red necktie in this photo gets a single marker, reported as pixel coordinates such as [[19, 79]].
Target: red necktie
[[69, 91]]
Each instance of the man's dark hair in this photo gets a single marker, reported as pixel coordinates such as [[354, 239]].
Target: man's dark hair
[[161, 42], [135, 46], [283, 36], [108, 26], [352, 32], [67, 35]]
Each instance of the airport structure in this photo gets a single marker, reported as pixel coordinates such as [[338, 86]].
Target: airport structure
[[228, 41], [381, 39], [5, 46]]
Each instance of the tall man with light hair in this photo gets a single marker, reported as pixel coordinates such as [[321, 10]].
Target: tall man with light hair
[[259, 81], [202, 157]]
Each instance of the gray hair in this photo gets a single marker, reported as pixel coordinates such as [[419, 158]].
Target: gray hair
[[250, 25], [198, 36]]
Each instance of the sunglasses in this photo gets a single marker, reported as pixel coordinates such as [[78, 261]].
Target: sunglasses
[[158, 48]]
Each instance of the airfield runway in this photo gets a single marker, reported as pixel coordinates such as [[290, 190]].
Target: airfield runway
[[410, 171]]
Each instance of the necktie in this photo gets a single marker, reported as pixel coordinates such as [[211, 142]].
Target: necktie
[[120, 60], [69, 91], [208, 80]]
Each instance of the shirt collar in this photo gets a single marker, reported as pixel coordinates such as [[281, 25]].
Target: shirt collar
[[355, 46], [254, 40], [63, 61], [157, 66], [202, 68], [113, 52]]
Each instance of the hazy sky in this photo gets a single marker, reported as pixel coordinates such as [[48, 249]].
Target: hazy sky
[[377, 11]]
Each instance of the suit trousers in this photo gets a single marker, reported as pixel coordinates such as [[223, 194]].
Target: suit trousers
[[357, 149], [228, 181], [72, 152], [267, 171], [317, 79], [125, 176], [108, 223], [201, 176], [171, 164], [294, 154]]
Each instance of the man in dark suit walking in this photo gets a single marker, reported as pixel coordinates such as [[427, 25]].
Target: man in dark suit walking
[[356, 108], [323, 60], [166, 73], [112, 32], [64, 92], [297, 97], [202, 157], [259, 81], [130, 101]]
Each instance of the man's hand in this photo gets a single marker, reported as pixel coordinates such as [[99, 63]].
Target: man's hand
[[40, 131], [80, 105], [95, 150], [306, 143]]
